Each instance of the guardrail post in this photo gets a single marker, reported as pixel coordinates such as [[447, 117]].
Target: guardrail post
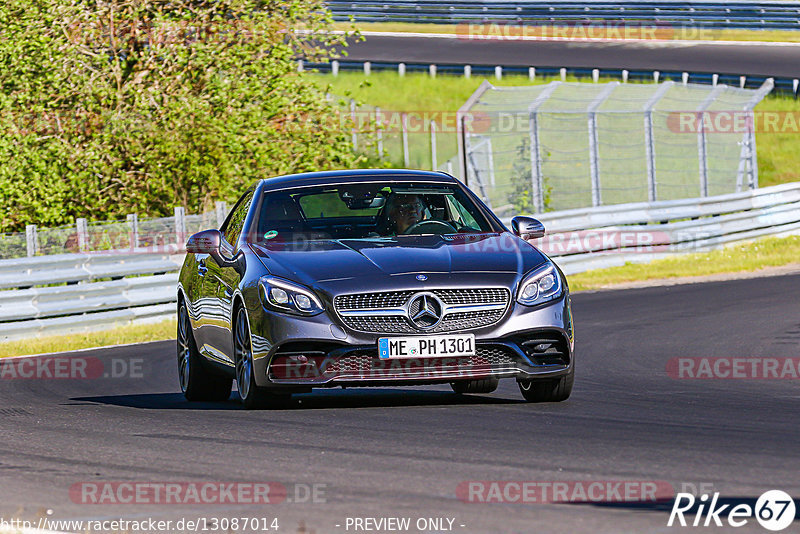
[[221, 208], [685, 77], [531, 73], [563, 73], [83, 234], [335, 67], [432, 70], [434, 162], [367, 68], [401, 69], [180, 227], [299, 65], [624, 76], [742, 81], [133, 230], [31, 240], [498, 72], [467, 71], [406, 155], [595, 75]]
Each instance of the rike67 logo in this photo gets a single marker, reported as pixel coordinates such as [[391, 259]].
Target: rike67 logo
[[774, 510]]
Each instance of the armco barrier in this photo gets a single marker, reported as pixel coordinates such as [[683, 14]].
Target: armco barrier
[[112, 288], [709, 14], [103, 289]]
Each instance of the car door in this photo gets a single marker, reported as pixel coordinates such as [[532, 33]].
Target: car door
[[220, 283]]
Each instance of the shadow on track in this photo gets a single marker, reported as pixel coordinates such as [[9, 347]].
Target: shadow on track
[[665, 506], [318, 400]]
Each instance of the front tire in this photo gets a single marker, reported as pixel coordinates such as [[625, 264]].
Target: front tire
[[252, 396], [197, 383], [547, 389]]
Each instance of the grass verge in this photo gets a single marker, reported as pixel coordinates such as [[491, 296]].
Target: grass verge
[[739, 258], [116, 336], [512, 31]]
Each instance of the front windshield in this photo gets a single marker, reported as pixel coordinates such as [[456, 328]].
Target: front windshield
[[367, 210]]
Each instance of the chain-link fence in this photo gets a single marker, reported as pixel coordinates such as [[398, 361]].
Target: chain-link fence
[[572, 145]]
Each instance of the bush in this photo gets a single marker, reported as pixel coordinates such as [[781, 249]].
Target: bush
[[140, 105]]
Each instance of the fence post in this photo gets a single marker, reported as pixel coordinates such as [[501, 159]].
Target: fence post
[[594, 152], [299, 65], [649, 139], [83, 234], [221, 207], [406, 155], [335, 67], [702, 153], [133, 230], [379, 131], [434, 162], [537, 182], [353, 135], [32, 240], [180, 227]]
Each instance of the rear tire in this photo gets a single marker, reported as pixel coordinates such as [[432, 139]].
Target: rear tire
[[253, 397], [483, 385], [547, 389], [197, 383]]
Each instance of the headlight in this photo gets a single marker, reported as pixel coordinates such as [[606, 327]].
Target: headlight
[[543, 284], [285, 296]]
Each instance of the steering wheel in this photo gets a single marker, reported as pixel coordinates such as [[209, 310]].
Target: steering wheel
[[429, 226]]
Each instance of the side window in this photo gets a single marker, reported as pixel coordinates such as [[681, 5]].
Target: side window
[[233, 226]]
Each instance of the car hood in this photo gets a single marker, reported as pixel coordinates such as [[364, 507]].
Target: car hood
[[330, 263]]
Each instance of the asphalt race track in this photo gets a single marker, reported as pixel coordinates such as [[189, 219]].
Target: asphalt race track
[[769, 60], [403, 452]]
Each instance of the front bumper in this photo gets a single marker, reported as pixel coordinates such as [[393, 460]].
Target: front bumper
[[319, 351]]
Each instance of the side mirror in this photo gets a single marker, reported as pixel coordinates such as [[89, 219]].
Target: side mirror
[[527, 227], [205, 242], [211, 242]]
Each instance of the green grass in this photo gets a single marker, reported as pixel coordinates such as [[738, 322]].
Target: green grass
[[747, 257], [787, 36], [115, 336]]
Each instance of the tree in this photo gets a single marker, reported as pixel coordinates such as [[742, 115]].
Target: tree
[[118, 106]]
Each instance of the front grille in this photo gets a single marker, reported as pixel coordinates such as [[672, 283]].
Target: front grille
[[393, 299], [452, 321], [366, 364]]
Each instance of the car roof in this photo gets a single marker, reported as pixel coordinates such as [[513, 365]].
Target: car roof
[[353, 176]]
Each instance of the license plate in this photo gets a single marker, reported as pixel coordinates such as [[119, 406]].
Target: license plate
[[426, 347]]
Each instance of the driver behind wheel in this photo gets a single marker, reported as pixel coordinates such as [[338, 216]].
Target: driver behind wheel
[[404, 211]]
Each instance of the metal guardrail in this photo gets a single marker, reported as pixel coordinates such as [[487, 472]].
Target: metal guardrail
[[102, 290], [608, 236], [708, 14], [105, 289], [785, 86]]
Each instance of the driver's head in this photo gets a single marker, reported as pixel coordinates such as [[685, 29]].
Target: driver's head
[[404, 211]]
